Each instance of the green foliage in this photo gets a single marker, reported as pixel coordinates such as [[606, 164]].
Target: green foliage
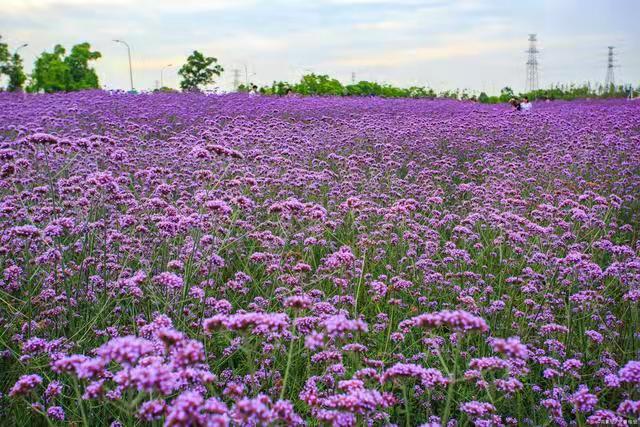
[[450, 94], [421, 92], [82, 77], [11, 66], [15, 70], [315, 84], [506, 93], [245, 88], [4, 51], [276, 88], [53, 72], [562, 92], [165, 89], [571, 92], [50, 73], [366, 88], [199, 71], [320, 84]]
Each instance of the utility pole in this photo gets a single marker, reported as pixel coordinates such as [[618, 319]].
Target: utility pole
[[128, 53], [236, 78], [609, 81], [353, 77], [532, 65]]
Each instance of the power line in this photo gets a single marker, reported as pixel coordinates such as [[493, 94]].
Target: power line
[[532, 65]]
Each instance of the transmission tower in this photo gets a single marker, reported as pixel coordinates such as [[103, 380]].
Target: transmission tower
[[353, 77], [532, 65], [609, 81], [236, 78]]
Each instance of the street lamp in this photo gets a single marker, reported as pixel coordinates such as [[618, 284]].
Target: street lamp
[[129, 53], [15, 52], [247, 75], [161, 74]]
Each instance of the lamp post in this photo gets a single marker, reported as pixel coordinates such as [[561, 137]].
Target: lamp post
[[14, 60], [15, 52], [247, 75], [129, 53], [161, 74]]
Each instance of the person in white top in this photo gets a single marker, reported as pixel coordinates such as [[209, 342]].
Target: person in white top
[[525, 105]]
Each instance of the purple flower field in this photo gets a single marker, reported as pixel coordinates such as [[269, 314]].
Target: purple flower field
[[192, 260]]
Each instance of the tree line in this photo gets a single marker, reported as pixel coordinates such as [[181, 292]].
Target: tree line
[[324, 85], [56, 71], [59, 71]]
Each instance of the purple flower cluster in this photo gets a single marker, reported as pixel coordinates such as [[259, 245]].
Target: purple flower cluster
[[457, 320], [191, 259], [259, 323], [25, 384], [428, 377]]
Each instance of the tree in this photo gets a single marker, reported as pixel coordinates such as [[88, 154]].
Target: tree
[[4, 56], [11, 66], [421, 92], [450, 94], [315, 84], [506, 93], [278, 88], [81, 76], [199, 71], [4, 51], [53, 72], [50, 73], [364, 88], [15, 70]]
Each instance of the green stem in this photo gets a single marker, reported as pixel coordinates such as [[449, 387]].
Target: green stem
[[85, 421], [355, 308], [286, 371], [447, 405], [407, 413]]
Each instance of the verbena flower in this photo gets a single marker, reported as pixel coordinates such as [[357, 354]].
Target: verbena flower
[[25, 384], [457, 320]]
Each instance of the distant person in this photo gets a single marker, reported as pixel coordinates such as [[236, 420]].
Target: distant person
[[515, 104], [525, 105], [288, 92], [254, 90]]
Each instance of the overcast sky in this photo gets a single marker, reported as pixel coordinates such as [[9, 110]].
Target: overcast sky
[[474, 44]]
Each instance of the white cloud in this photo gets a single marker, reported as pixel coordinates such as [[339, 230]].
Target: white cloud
[[380, 2], [464, 43], [148, 6], [454, 48], [383, 25]]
